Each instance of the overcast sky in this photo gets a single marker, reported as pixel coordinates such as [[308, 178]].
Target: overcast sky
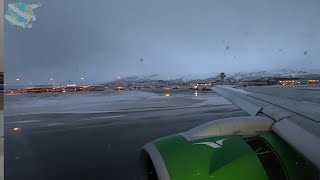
[[103, 39]]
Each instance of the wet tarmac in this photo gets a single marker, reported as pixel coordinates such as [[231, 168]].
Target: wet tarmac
[[97, 135]]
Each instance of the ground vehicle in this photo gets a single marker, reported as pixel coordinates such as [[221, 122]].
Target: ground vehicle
[[201, 86], [119, 88]]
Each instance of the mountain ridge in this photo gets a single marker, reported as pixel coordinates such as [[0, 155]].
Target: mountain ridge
[[251, 75]]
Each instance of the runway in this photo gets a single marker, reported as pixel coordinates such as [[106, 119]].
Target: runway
[[97, 135]]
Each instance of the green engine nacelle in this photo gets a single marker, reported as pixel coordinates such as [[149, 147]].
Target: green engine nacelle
[[259, 156], [225, 157]]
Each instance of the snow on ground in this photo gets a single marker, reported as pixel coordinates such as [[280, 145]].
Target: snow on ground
[[21, 104]]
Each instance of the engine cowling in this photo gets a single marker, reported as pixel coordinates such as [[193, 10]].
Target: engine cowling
[[223, 157], [232, 148]]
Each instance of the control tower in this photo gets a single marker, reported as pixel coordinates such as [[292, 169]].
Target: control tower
[[222, 76]]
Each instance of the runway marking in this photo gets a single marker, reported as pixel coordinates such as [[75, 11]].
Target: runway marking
[[21, 122], [105, 117], [52, 124]]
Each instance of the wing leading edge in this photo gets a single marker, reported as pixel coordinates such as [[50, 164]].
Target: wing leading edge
[[295, 120]]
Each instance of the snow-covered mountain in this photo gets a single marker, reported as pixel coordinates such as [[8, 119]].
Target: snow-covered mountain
[[274, 73], [215, 75]]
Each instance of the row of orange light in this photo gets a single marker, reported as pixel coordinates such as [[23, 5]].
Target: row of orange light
[[313, 81], [51, 79], [203, 84], [288, 81]]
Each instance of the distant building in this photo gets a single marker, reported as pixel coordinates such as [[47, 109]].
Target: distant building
[[258, 82], [42, 89], [298, 81], [313, 81], [201, 86], [93, 88], [286, 81]]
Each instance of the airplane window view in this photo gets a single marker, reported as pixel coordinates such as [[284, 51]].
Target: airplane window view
[[160, 90]]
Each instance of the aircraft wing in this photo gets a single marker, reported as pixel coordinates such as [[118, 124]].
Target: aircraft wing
[[295, 111]]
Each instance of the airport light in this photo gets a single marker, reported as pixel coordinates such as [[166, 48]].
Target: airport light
[[51, 79], [82, 78], [16, 130], [18, 79]]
